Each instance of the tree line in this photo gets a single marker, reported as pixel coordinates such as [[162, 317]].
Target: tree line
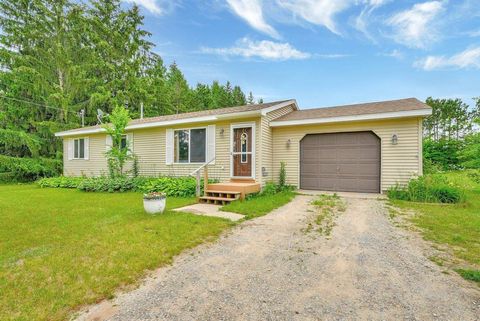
[[451, 137], [61, 57]]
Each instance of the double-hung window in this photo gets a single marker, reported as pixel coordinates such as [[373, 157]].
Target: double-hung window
[[190, 145], [79, 148]]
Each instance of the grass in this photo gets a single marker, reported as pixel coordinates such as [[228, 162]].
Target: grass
[[457, 226], [327, 206], [259, 205], [61, 249], [472, 275]]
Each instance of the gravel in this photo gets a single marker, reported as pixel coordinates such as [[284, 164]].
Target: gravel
[[270, 269]]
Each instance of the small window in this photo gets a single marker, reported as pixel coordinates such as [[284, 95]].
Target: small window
[[190, 145], [79, 148], [244, 147]]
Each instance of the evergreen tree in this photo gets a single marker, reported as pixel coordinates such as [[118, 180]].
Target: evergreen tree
[[250, 99]]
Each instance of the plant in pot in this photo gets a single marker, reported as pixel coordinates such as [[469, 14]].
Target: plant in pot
[[154, 202]]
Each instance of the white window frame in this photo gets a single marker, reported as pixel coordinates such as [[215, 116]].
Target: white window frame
[[74, 142], [189, 142], [253, 152]]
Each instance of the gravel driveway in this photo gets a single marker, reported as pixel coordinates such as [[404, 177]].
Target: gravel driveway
[[271, 269]]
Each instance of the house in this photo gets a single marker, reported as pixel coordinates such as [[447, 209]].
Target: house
[[362, 148]]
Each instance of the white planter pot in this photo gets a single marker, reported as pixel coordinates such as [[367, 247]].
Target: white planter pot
[[155, 206]]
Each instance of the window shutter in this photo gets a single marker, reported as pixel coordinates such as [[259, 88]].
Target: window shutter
[[130, 143], [108, 143], [210, 143], [70, 148], [169, 147], [87, 149]]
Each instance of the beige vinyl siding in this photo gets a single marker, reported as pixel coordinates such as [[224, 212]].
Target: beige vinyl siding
[[398, 162], [266, 152], [96, 163], [149, 145]]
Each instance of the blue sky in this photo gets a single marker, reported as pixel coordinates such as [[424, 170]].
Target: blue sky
[[323, 52]]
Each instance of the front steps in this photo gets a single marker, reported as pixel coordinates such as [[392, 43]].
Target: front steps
[[224, 193], [219, 197]]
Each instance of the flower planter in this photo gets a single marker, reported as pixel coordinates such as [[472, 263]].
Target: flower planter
[[154, 203]]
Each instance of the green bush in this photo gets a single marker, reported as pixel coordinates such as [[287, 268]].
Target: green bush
[[270, 189], [60, 182], [173, 186], [109, 184], [28, 169], [444, 153], [428, 189]]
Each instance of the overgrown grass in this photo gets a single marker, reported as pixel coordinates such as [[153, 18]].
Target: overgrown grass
[[433, 188], [61, 248], [457, 225], [259, 205]]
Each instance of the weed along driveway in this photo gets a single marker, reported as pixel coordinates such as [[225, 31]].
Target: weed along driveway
[[339, 259]]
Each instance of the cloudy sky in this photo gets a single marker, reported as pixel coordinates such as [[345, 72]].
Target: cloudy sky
[[323, 52]]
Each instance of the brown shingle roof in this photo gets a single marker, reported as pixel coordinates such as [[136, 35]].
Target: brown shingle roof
[[201, 113], [408, 104]]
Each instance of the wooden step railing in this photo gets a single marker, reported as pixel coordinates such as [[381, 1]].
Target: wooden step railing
[[196, 173]]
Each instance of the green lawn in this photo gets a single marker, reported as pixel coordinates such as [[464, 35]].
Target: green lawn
[[60, 249], [456, 225], [259, 205]]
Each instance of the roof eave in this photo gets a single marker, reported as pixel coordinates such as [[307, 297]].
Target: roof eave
[[242, 114], [376, 116]]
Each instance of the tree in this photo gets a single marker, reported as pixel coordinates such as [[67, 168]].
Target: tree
[[178, 89], [59, 57], [238, 96], [118, 154], [250, 99]]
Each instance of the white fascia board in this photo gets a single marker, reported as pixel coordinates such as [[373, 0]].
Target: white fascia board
[[265, 111], [379, 116], [172, 122], [80, 132], [140, 126]]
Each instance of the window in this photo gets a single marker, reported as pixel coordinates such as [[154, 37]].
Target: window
[[190, 145], [244, 142], [79, 148]]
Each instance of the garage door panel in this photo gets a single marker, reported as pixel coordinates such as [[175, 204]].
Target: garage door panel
[[340, 162]]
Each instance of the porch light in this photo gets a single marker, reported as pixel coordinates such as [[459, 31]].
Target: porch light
[[222, 131], [289, 141], [394, 139]]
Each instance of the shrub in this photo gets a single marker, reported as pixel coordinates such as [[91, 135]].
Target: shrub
[[270, 189], [429, 188], [108, 184], [172, 186], [60, 182], [28, 169]]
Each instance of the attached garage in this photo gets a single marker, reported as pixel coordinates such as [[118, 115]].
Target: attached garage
[[341, 162], [356, 148]]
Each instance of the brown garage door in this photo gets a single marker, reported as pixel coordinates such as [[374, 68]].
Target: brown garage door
[[343, 162]]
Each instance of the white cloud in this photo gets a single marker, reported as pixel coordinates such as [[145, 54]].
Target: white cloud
[[251, 11], [469, 58], [150, 5], [318, 12], [264, 49], [365, 16], [414, 27]]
